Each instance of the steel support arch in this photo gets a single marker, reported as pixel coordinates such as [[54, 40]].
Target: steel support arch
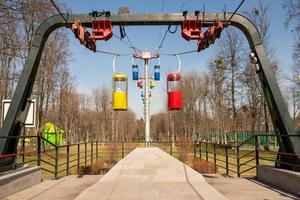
[[278, 110]]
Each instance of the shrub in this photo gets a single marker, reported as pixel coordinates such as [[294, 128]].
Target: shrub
[[92, 169], [203, 166], [184, 148], [129, 147], [111, 151]]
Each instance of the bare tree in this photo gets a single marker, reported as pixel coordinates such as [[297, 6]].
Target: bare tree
[[293, 23], [231, 53]]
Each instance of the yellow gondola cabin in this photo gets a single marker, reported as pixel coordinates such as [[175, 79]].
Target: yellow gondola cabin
[[120, 91]]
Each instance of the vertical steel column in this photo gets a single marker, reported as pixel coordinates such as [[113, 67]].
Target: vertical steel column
[[147, 104]]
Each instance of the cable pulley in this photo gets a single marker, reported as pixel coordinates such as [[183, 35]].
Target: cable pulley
[[101, 30]]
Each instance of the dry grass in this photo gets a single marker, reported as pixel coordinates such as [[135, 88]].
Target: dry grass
[[184, 148], [203, 166], [112, 151]]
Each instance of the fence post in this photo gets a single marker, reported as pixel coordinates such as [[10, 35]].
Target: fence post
[[200, 151], [256, 150], [226, 159], [238, 160], [56, 163], [23, 147], [97, 150], [195, 149], [92, 151], [206, 151], [68, 159], [122, 149], [171, 150], [38, 146], [78, 158], [85, 153], [215, 158]]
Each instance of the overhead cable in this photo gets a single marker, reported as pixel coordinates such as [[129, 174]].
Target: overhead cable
[[241, 3]]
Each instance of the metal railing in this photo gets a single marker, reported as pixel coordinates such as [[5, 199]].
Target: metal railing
[[61, 160], [242, 159]]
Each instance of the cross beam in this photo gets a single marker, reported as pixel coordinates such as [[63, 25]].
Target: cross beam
[[281, 119]]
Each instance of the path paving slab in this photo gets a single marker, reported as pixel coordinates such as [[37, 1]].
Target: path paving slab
[[150, 173], [66, 188], [246, 188]]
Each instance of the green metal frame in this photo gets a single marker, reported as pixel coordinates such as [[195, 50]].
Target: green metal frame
[[279, 113]]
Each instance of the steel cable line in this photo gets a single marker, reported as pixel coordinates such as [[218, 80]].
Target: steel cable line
[[241, 3], [163, 39], [127, 43], [179, 53], [165, 35], [131, 44], [58, 10], [113, 53]]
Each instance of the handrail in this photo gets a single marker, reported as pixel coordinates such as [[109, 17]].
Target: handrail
[[244, 163], [250, 157], [46, 140], [63, 157], [16, 154], [247, 169], [252, 151]]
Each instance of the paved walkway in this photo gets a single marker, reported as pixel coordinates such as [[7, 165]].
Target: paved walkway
[[150, 173], [246, 188], [66, 188]]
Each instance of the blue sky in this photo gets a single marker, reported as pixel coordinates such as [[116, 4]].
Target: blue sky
[[94, 69]]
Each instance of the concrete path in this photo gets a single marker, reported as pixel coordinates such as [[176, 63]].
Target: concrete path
[[246, 189], [66, 188], [150, 173]]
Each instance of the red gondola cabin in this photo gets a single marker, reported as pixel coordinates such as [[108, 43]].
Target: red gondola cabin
[[174, 91]]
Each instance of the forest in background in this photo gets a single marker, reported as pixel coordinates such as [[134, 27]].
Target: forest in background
[[224, 100]]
